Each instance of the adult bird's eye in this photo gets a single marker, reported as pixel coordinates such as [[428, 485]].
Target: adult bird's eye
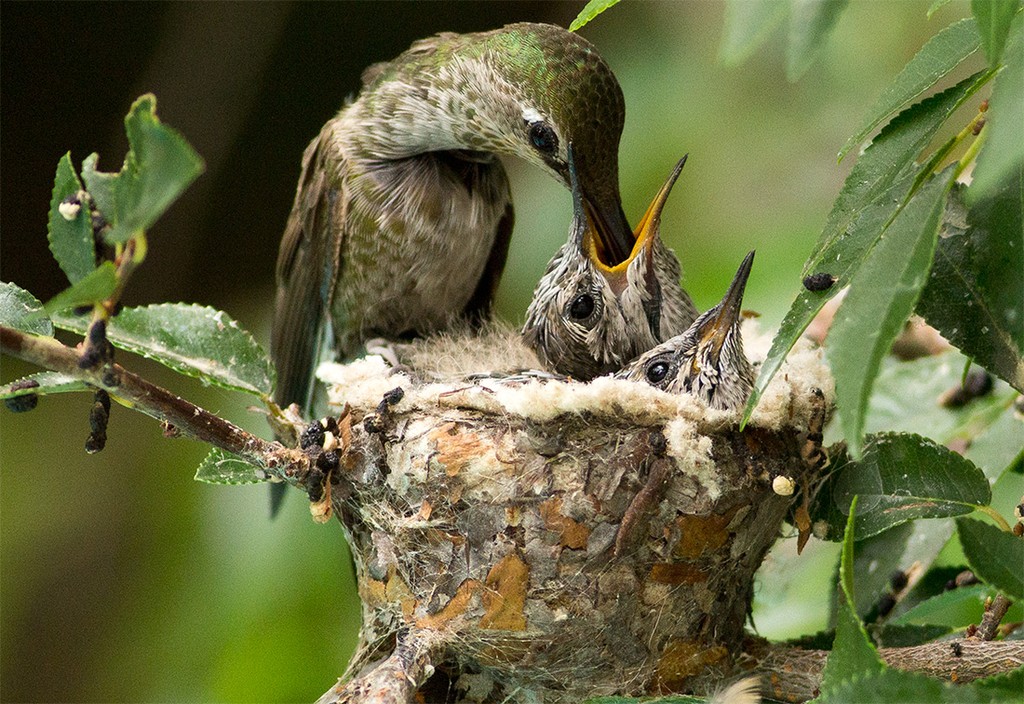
[[582, 306], [657, 372], [543, 137]]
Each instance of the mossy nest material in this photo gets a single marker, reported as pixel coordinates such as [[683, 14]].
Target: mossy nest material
[[567, 539]]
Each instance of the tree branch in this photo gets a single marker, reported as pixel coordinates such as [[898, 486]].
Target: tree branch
[[396, 679], [795, 674], [994, 612], [157, 402]]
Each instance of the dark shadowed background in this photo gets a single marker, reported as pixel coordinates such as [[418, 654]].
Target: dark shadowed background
[[122, 579]]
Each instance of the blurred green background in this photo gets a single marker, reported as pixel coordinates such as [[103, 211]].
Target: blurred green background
[[121, 579]]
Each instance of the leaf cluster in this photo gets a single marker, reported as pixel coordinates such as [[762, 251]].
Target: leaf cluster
[[903, 236], [97, 234]]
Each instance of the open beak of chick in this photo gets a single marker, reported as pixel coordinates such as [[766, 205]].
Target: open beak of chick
[[593, 243], [609, 228]]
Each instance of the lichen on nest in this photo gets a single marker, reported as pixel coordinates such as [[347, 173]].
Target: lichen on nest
[[574, 538]]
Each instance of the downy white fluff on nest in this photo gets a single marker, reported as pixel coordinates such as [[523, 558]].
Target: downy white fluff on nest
[[436, 372]]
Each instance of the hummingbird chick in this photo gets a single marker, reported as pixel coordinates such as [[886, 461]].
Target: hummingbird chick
[[403, 213], [707, 360], [589, 317]]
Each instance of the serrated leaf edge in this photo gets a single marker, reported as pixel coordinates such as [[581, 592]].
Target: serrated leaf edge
[[179, 364]]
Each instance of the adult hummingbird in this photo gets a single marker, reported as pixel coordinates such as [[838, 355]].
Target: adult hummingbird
[[589, 317], [403, 213], [708, 359]]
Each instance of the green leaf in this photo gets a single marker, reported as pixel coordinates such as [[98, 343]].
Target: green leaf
[[220, 467], [590, 11], [1001, 688], [97, 286], [891, 685], [956, 608], [20, 310], [975, 291], [43, 383], [876, 178], [996, 556], [191, 339], [852, 654], [994, 18], [906, 400], [810, 23], [892, 636], [102, 187], [882, 296], [943, 52], [71, 240], [892, 550], [747, 26], [900, 478], [998, 450], [875, 190], [159, 166], [1003, 151], [936, 6]]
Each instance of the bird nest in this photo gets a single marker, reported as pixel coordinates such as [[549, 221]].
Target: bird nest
[[558, 538]]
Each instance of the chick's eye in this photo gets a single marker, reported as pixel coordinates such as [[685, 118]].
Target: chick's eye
[[581, 307], [543, 137], [657, 372]]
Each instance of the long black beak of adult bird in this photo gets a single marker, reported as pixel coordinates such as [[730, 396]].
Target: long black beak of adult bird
[[715, 328], [599, 188], [581, 228]]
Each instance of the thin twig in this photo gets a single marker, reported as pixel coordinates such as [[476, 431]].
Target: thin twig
[[396, 679], [994, 613], [159, 403], [795, 674]]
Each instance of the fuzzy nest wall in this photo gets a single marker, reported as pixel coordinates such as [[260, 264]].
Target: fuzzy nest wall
[[560, 538]]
